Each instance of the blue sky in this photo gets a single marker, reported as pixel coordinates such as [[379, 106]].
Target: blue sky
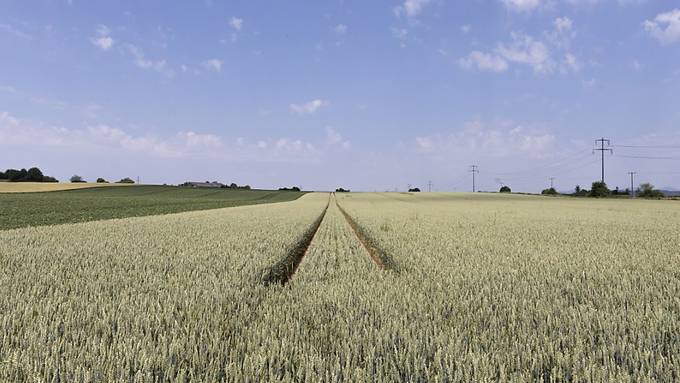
[[367, 95]]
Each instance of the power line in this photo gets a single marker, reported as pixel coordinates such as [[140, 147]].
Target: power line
[[648, 146], [602, 150], [652, 158]]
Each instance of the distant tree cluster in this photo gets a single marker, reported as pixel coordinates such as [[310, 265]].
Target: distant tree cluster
[[294, 188], [599, 190], [505, 189], [23, 175], [341, 190], [126, 180], [647, 191], [235, 186], [414, 190], [549, 191]]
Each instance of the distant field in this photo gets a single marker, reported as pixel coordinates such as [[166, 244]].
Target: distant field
[[70, 206], [32, 187]]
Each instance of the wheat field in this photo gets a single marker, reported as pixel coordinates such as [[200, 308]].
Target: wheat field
[[477, 288]]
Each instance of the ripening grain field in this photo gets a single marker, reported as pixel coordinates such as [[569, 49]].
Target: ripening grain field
[[456, 287]]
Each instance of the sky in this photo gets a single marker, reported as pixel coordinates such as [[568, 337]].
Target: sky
[[366, 95]]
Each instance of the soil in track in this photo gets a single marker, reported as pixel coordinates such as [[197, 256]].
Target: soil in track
[[379, 256], [282, 271]]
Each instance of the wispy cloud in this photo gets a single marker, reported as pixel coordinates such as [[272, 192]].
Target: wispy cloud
[[484, 62], [213, 64], [236, 23], [103, 39], [141, 61], [521, 5], [308, 107], [8, 28], [411, 8], [340, 29]]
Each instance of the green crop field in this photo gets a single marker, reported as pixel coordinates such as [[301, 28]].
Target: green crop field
[[356, 287], [34, 209]]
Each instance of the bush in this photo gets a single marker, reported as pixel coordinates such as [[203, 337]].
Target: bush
[[647, 191], [3, 176], [505, 189], [294, 188], [549, 191], [414, 190], [126, 180], [102, 181], [76, 178], [599, 189], [341, 190]]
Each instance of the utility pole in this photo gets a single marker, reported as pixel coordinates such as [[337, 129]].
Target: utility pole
[[632, 189], [552, 179], [601, 149], [474, 169], [429, 186]]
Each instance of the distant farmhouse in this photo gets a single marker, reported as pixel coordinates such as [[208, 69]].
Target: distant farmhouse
[[205, 184]]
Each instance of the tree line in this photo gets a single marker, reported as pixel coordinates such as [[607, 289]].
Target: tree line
[[36, 175]]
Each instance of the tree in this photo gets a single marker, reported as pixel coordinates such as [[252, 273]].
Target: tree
[[3, 176], [34, 175], [126, 180], [341, 190], [549, 191], [16, 175], [505, 189], [102, 181], [599, 189], [577, 189], [414, 190], [49, 179], [76, 178], [647, 191], [233, 185]]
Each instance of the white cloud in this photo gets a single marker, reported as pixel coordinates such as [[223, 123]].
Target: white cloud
[[103, 39], [665, 27], [308, 107], [104, 43], [501, 139], [340, 29], [526, 50], [521, 5], [411, 8], [236, 23], [197, 140], [465, 28], [484, 61], [213, 64]]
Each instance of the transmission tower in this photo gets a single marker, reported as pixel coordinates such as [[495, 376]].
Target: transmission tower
[[474, 169], [602, 149], [632, 189]]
